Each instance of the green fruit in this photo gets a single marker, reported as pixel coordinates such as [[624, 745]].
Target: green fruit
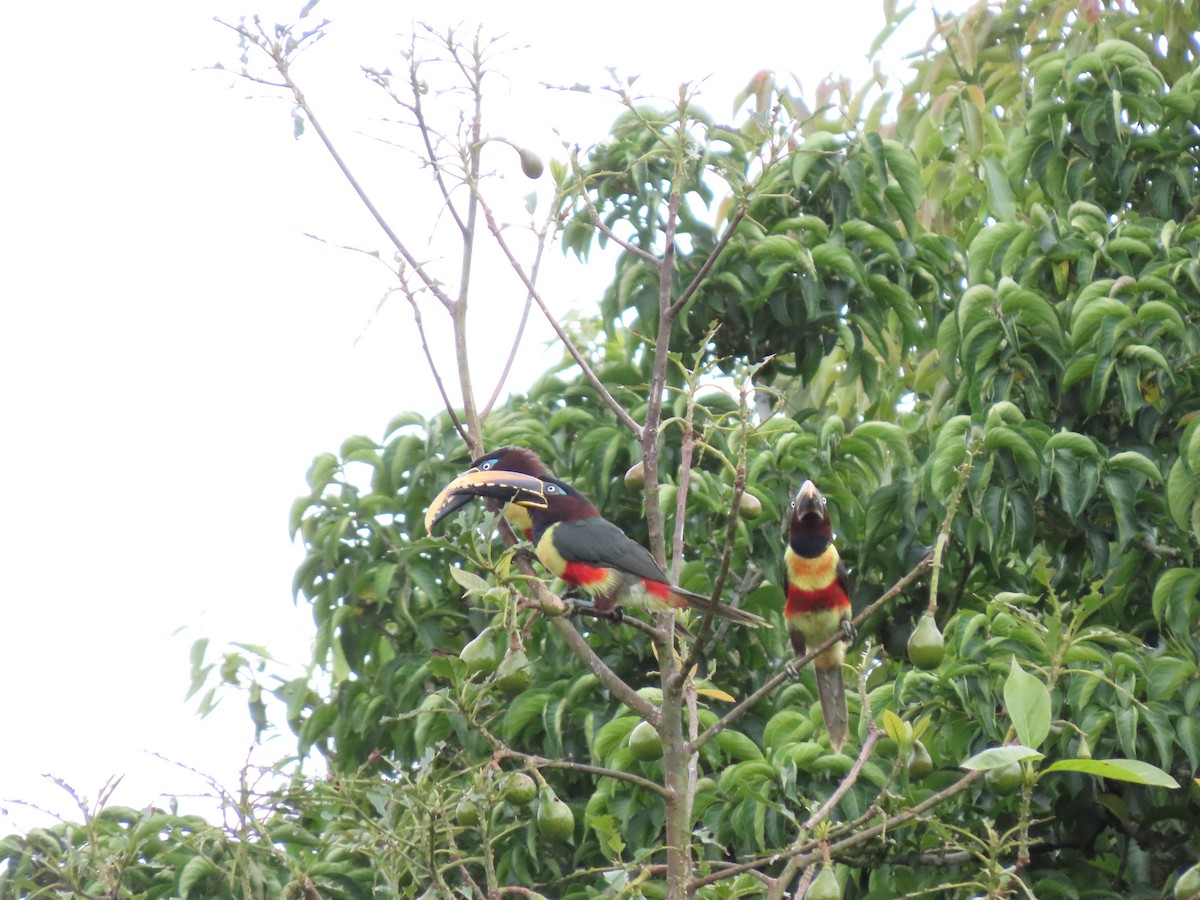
[[635, 478], [480, 654], [920, 763], [645, 743], [825, 886], [1004, 780], [466, 813], [531, 164], [749, 506], [926, 646], [514, 672], [1188, 884], [554, 818], [518, 788]]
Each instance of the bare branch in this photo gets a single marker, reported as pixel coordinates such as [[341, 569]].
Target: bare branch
[[542, 762], [437, 378], [576, 355], [516, 345], [675, 308], [281, 65]]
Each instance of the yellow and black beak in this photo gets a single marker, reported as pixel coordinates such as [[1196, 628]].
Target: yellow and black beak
[[809, 501], [507, 487]]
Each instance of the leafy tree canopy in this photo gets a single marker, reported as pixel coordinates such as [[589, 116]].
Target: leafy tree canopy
[[969, 309]]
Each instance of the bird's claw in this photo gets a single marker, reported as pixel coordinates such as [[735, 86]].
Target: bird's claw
[[848, 631], [791, 671], [524, 555], [582, 608]]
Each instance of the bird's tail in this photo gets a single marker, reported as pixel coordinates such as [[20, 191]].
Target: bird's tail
[[725, 611], [831, 688]]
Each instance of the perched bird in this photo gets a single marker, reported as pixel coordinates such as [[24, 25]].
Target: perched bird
[[818, 602], [582, 548], [504, 459]]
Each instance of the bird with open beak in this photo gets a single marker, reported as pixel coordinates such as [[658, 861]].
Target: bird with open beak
[[581, 547], [818, 602]]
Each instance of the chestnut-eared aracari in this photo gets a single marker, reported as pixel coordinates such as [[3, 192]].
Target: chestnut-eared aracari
[[818, 602], [581, 547], [504, 459]]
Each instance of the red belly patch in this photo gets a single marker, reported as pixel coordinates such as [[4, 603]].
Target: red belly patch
[[826, 598], [585, 576]]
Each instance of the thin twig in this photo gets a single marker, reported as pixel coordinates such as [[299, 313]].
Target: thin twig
[[675, 308], [433, 369], [516, 345], [281, 65], [809, 855], [419, 115], [658, 380], [503, 751], [873, 735], [576, 355]]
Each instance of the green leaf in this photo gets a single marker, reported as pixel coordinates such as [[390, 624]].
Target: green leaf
[[1117, 769], [897, 729], [196, 869], [1000, 196], [1028, 703], [996, 757], [1135, 461], [1181, 493], [737, 746], [469, 581], [1079, 444]]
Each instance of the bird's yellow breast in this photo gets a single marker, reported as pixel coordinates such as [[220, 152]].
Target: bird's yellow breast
[[812, 573]]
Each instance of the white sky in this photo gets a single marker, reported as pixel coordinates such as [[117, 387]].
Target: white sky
[[173, 350]]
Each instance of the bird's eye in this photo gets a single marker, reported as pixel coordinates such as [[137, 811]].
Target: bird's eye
[[487, 465], [551, 489]]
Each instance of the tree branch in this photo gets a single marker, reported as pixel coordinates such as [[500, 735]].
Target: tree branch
[[516, 345], [503, 751], [587, 370], [807, 854], [675, 308], [658, 381], [281, 65]]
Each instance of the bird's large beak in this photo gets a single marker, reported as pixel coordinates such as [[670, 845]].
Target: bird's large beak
[[509, 487], [809, 501]]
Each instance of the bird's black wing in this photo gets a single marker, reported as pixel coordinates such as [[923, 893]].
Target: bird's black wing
[[598, 542]]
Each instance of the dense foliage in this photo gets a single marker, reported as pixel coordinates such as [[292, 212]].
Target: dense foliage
[[971, 313]]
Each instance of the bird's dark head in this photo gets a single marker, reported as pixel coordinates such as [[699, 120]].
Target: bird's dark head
[[513, 459], [563, 504], [809, 531], [501, 486]]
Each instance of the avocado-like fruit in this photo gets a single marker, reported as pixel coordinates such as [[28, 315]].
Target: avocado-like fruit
[[514, 672], [531, 164], [518, 788], [635, 478], [920, 763], [825, 886], [554, 818], [1004, 780], [926, 646], [466, 813], [645, 743], [749, 506], [480, 655]]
